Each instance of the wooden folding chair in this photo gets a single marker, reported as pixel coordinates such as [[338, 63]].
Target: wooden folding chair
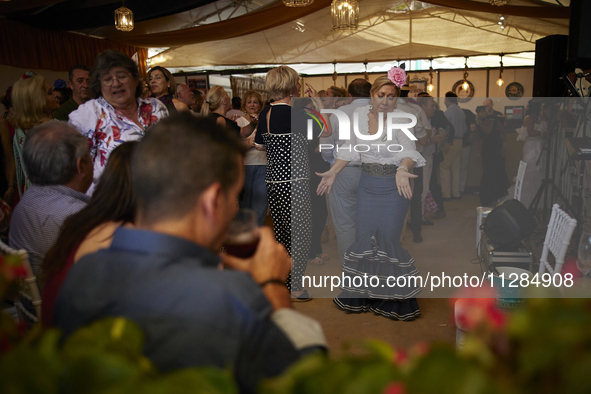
[[28, 302]]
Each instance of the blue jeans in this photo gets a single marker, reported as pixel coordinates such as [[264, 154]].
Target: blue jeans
[[254, 195]]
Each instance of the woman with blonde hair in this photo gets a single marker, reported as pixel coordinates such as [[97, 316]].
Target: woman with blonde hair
[[383, 199], [254, 194], [217, 103], [163, 87], [33, 103], [287, 182]]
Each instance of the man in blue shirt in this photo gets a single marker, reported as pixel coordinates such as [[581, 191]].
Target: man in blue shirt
[[166, 275], [451, 165]]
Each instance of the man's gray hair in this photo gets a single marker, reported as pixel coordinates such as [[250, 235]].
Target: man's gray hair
[[50, 153]]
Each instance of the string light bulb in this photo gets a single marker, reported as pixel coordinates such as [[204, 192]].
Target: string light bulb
[[465, 85], [430, 87], [500, 81], [334, 74]]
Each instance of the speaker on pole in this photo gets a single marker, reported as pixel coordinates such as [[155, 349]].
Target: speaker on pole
[[550, 66], [579, 31]]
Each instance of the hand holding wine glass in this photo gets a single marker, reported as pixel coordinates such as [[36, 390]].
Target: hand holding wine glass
[[242, 237]]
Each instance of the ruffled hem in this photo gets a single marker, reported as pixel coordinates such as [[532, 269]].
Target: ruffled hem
[[404, 310], [379, 268]]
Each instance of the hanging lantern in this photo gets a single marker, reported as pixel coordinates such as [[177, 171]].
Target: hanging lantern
[[297, 3], [123, 19], [500, 81], [465, 85], [334, 74], [430, 87], [345, 15]]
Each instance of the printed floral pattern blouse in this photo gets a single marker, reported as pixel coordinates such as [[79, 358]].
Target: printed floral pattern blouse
[[106, 128]]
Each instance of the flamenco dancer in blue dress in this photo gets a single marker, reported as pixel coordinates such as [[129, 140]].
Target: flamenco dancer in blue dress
[[382, 203]]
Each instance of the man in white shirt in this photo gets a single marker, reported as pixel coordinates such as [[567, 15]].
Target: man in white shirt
[[343, 197]]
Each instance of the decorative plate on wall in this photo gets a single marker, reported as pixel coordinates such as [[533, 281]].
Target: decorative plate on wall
[[514, 91], [463, 95]]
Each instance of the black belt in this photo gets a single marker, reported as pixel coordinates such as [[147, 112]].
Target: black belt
[[379, 170]]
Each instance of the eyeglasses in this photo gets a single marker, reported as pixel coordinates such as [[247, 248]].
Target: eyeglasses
[[110, 79]]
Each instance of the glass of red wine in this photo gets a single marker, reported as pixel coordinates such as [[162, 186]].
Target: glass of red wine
[[243, 234]]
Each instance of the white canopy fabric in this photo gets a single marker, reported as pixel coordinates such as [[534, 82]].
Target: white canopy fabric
[[388, 30]]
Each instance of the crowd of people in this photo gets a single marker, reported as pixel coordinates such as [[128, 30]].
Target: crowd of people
[[122, 196]]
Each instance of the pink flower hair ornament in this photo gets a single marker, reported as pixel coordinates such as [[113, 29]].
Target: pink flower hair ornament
[[398, 76]]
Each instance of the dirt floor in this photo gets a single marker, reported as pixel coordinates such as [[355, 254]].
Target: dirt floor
[[449, 246]]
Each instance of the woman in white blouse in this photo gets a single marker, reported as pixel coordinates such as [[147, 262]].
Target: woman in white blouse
[[382, 203]]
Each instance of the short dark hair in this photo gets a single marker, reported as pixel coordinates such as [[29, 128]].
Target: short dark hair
[[424, 100], [104, 62], [359, 87], [166, 187], [74, 68], [197, 93], [236, 103], [453, 98], [50, 153]]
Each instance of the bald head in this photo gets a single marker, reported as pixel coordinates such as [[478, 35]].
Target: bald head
[[488, 103], [185, 94]]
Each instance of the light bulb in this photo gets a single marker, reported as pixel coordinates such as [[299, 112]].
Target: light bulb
[[465, 85], [500, 82], [430, 87]]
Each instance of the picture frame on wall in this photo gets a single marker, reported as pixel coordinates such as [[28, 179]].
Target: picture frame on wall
[[514, 91], [417, 85], [463, 95], [198, 82]]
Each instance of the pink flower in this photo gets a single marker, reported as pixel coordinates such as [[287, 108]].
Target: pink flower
[[397, 76], [400, 356], [395, 388]]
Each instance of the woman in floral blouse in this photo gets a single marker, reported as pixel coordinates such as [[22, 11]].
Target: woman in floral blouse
[[118, 113]]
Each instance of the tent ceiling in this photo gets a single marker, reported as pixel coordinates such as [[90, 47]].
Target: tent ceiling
[[241, 32], [432, 31]]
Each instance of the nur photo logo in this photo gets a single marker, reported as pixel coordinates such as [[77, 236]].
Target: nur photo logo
[[345, 131]]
